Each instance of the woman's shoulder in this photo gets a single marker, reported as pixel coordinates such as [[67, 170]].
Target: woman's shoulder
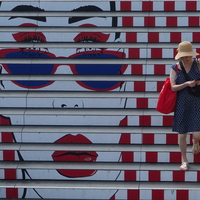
[[174, 66]]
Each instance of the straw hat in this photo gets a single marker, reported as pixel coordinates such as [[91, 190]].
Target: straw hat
[[185, 49]]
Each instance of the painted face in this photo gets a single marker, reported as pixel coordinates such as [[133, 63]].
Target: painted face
[[65, 103]]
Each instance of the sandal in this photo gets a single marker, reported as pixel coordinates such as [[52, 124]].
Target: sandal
[[184, 166], [195, 148]]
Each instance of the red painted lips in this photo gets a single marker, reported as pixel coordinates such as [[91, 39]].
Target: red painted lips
[[80, 156]]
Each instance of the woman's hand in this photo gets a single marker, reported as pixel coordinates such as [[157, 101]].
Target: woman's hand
[[192, 83], [198, 82]]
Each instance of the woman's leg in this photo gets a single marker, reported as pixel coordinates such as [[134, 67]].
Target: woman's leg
[[183, 146], [195, 141], [196, 136]]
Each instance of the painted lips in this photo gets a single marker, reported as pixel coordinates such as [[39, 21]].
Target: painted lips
[[75, 156]]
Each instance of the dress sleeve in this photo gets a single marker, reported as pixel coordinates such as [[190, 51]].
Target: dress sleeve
[[173, 67]]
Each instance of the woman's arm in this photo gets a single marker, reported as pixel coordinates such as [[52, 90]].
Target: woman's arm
[[176, 87]]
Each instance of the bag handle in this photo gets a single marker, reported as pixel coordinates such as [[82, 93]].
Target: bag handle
[[176, 68], [197, 60], [184, 72]]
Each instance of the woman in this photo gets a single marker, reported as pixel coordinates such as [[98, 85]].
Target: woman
[[187, 110]]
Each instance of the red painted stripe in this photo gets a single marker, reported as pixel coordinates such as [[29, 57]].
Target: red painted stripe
[[131, 37], [151, 157], [134, 53], [193, 21], [182, 195], [198, 50], [133, 194], [156, 53], [191, 137], [198, 176], [178, 176], [127, 21], [157, 194], [159, 69], [175, 157], [172, 139], [125, 5], [175, 37], [147, 138], [169, 6], [113, 197], [130, 175], [136, 69], [139, 86], [159, 85], [8, 156], [191, 5], [196, 37], [196, 159], [145, 120], [171, 21], [175, 52], [142, 102], [167, 120], [149, 21], [154, 176], [153, 37], [147, 6]]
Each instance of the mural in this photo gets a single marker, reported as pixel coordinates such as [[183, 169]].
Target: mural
[[151, 27], [64, 103]]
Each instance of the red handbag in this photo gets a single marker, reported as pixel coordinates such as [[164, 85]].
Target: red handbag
[[166, 99]]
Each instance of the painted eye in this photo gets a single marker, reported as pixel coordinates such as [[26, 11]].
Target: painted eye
[[29, 36], [91, 37]]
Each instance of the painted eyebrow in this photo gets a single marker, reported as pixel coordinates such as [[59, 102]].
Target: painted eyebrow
[[88, 8], [30, 8]]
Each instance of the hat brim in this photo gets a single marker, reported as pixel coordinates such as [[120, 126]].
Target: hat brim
[[183, 54]]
